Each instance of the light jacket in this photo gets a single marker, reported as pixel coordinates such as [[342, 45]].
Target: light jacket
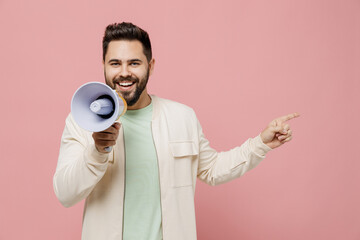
[[183, 155]]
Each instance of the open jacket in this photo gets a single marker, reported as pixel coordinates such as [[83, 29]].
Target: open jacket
[[183, 155]]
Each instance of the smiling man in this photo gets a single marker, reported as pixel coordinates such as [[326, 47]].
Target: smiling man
[[144, 188], [127, 70]]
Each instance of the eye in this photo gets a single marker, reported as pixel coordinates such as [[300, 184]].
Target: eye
[[114, 64], [134, 64]]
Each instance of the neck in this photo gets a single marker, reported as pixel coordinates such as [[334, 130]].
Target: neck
[[143, 101]]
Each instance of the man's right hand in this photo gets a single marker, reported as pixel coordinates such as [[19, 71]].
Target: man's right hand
[[106, 138]]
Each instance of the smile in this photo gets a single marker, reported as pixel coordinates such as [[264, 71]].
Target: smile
[[126, 84]]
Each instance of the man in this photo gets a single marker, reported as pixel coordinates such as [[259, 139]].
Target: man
[[144, 188]]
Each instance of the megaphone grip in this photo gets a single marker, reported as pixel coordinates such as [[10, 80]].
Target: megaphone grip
[[108, 149]]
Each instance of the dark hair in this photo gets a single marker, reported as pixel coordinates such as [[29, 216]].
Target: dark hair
[[127, 31]]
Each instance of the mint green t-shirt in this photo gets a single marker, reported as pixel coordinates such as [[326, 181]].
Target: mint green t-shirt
[[142, 209]]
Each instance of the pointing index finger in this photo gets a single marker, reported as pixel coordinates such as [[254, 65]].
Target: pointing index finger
[[288, 117]]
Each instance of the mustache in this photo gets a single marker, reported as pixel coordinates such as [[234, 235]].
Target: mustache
[[129, 78]]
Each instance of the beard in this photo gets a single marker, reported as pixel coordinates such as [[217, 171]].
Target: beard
[[131, 97]]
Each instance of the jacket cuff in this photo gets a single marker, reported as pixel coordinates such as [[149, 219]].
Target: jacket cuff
[[259, 147], [93, 155]]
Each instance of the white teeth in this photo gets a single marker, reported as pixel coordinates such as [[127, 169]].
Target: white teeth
[[125, 84]]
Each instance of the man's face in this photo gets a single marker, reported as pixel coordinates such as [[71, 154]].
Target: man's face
[[127, 70]]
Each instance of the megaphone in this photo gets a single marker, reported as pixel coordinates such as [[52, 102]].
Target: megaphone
[[95, 107]]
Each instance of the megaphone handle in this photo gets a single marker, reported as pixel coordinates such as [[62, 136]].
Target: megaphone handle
[[108, 149]]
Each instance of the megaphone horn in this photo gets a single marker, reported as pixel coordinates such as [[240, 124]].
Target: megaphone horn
[[95, 106]]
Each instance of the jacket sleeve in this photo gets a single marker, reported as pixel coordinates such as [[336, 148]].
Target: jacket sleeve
[[220, 167], [80, 166]]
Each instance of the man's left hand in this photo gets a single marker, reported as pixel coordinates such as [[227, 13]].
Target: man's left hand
[[278, 132]]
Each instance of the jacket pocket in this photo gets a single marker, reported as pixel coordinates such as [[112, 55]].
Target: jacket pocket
[[184, 156]]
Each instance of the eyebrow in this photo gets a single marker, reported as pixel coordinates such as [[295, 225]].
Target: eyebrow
[[131, 60]]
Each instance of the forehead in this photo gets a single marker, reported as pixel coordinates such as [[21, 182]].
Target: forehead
[[125, 50]]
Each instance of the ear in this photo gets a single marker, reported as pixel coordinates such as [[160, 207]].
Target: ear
[[151, 66]]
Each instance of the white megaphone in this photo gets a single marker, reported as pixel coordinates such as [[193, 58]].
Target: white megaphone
[[95, 107]]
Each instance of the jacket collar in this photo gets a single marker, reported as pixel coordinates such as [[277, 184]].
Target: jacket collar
[[156, 107]]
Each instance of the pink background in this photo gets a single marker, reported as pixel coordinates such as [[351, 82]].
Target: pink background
[[238, 63]]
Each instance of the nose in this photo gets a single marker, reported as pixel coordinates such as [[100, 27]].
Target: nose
[[125, 71]]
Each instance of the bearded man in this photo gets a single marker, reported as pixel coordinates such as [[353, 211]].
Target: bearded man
[[144, 188]]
